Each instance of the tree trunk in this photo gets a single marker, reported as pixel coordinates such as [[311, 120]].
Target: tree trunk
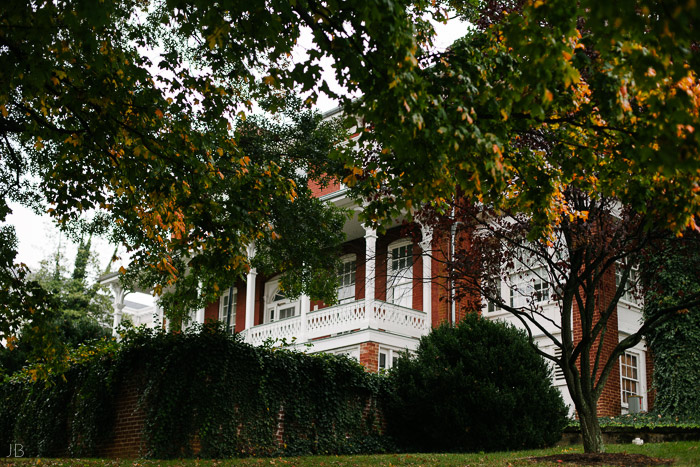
[[591, 433]]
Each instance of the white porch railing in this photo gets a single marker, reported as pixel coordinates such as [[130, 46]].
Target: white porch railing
[[353, 316]]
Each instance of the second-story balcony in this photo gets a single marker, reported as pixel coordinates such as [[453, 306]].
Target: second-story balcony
[[341, 319]]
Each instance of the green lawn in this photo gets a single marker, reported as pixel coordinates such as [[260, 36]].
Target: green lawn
[[685, 454]]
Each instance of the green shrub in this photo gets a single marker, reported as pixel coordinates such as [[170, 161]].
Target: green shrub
[[478, 386]]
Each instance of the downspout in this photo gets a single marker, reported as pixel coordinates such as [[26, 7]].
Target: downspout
[[453, 244], [453, 235]]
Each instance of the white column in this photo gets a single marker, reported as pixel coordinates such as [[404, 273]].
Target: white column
[[250, 298], [250, 290], [162, 321], [426, 244], [370, 273], [304, 305], [118, 306], [199, 314]]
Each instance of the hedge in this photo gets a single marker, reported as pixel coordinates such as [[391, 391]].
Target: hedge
[[200, 388]]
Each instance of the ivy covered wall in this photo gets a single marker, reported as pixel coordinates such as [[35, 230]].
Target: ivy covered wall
[[194, 393]]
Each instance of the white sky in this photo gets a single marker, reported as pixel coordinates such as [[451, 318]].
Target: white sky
[[39, 237]]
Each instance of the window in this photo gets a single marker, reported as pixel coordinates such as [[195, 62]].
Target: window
[[528, 288], [494, 286], [400, 280], [227, 308], [387, 359], [346, 279], [277, 305], [629, 376], [632, 278], [541, 289]]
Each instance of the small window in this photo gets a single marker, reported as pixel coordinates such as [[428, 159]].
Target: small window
[[495, 286], [528, 288], [387, 358], [629, 374], [541, 288], [346, 279], [632, 279], [227, 308], [400, 280], [278, 306]]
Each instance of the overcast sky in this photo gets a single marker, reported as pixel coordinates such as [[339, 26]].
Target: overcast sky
[[39, 237]]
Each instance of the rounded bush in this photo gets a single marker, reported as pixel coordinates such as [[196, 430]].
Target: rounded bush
[[479, 386]]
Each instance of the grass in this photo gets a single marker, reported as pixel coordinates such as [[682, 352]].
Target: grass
[[685, 453]]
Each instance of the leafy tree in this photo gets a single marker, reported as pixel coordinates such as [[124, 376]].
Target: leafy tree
[[150, 142], [77, 313], [601, 97], [674, 344], [572, 125], [566, 288]]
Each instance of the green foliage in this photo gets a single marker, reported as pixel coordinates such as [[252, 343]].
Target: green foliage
[[541, 97], [479, 386], [156, 144], [202, 385], [61, 413], [673, 274], [75, 313], [644, 420]]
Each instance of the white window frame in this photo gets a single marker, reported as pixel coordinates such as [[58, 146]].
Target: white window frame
[[528, 284], [223, 308], [274, 305], [632, 281], [386, 358], [639, 381], [347, 275], [403, 278]]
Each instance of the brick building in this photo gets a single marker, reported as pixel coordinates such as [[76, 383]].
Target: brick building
[[392, 292]]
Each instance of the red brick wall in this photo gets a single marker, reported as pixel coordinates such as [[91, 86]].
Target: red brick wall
[[369, 356], [211, 312], [439, 297], [259, 293], [240, 306], [609, 403], [417, 277], [319, 191], [380, 266], [129, 421], [361, 270]]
